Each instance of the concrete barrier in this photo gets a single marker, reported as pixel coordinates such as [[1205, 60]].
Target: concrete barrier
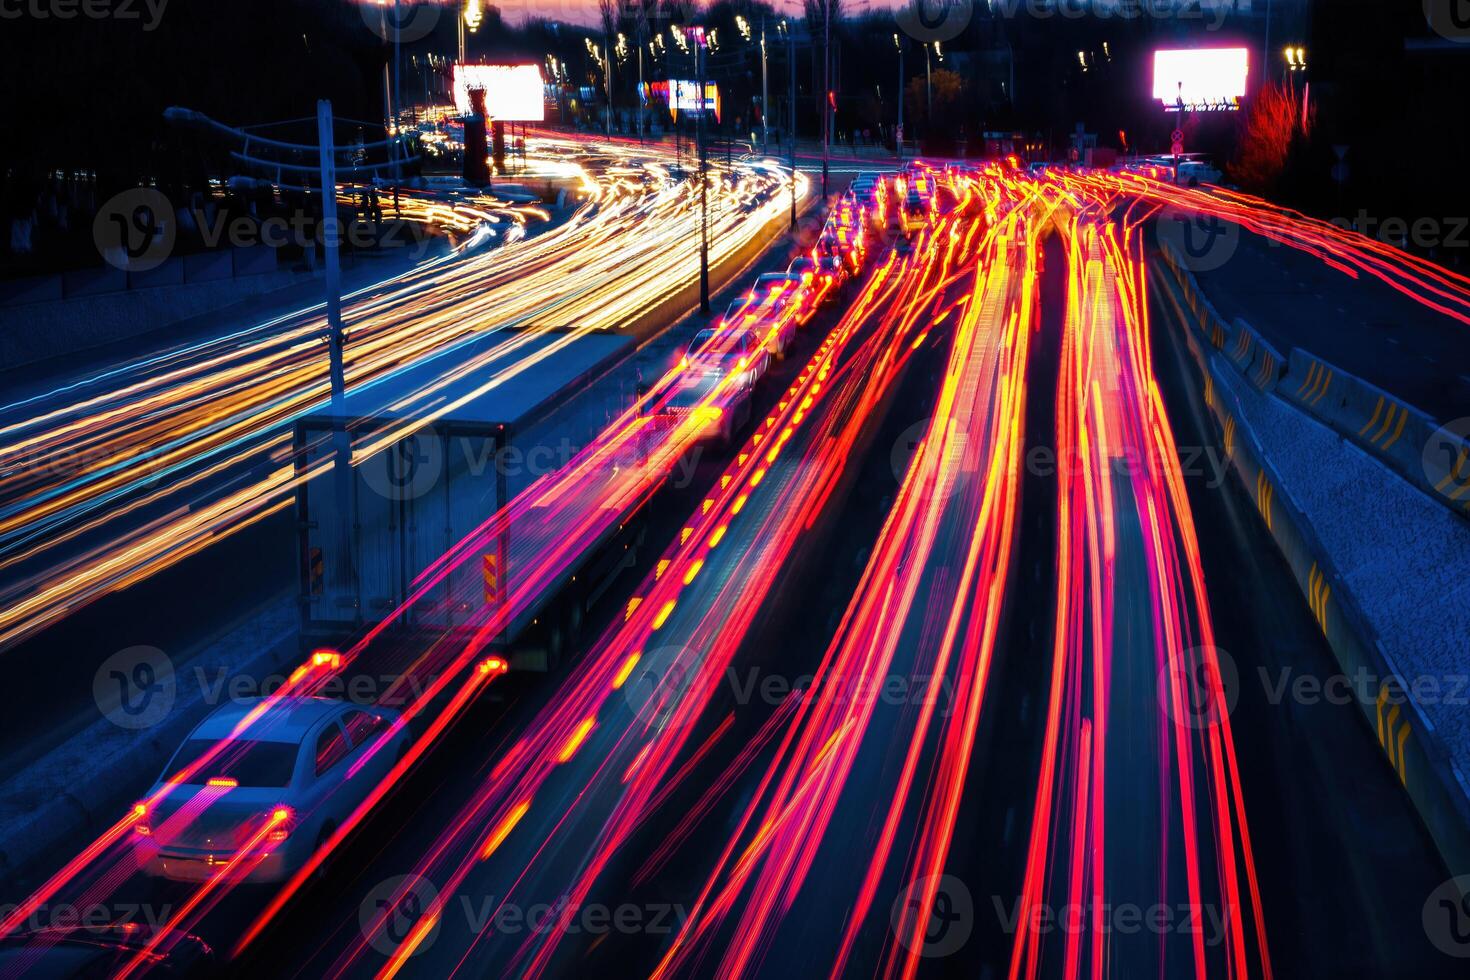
[[1410, 442], [1261, 363], [1435, 785]]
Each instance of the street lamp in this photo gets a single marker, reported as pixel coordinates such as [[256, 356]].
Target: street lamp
[[928, 90], [898, 133]]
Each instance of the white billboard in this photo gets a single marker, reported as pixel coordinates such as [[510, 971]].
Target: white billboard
[[513, 93], [1203, 78], [686, 96]]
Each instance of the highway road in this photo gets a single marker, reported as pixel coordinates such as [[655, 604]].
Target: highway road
[[111, 477], [950, 664]]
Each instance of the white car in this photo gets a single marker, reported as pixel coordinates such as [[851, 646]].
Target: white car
[[1192, 173], [729, 351], [273, 794]]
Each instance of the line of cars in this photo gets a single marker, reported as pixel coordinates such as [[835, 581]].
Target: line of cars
[[273, 798], [726, 360]]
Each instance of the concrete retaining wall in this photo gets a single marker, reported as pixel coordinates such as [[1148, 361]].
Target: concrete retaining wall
[[1411, 443], [1434, 782]]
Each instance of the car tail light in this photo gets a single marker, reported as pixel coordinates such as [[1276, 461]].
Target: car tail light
[[223, 782], [326, 658], [744, 363], [142, 827], [280, 816], [684, 363]]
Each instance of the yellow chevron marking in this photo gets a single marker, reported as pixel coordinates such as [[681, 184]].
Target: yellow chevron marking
[[1403, 764], [1387, 422], [1403, 417], [1377, 410], [1382, 697], [1326, 383], [1311, 380]]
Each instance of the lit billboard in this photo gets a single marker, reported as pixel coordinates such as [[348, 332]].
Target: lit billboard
[[685, 96], [513, 93], [1203, 78]]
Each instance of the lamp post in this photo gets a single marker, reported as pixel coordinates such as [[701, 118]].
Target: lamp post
[[826, 89], [928, 92], [791, 72], [703, 177], [765, 98], [898, 134]]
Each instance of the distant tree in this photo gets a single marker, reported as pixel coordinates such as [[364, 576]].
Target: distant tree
[[1270, 125]]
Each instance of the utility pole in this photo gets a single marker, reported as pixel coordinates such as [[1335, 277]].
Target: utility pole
[[703, 179], [898, 135], [639, 101], [607, 80], [1266, 43], [791, 65], [765, 97], [345, 571], [397, 92], [826, 89], [329, 236], [928, 91]]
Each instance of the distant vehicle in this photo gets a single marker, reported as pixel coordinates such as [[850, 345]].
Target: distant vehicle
[[409, 513], [720, 352], [1192, 173], [835, 272], [277, 793], [717, 381], [770, 313], [914, 214], [804, 266], [839, 242], [788, 288], [1037, 167], [741, 306], [102, 951], [775, 326]]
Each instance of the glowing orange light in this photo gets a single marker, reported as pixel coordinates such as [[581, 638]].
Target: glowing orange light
[[326, 658], [574, 741], [503, 829]]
